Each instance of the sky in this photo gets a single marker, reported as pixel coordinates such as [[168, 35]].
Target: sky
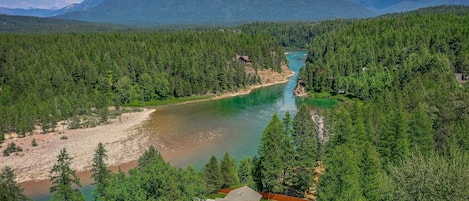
[[37, 3]]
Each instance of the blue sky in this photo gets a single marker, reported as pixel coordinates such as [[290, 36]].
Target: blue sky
[[36, 3]]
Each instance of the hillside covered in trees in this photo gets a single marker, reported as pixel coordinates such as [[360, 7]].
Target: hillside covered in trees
[[401, 132], [45, 78]]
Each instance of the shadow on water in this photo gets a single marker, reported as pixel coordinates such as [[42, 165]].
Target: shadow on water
[[191, 133]]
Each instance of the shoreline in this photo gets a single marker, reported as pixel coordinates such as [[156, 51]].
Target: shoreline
[[34, 163]]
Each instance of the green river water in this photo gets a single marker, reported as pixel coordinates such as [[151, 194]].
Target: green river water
[[192, 133]]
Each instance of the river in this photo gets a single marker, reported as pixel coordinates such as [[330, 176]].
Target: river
[[192, 133]]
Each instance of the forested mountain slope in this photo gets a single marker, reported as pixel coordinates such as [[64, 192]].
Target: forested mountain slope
[[22, 24], [44, 78], [389, 6], [216, 12], [405, 121]]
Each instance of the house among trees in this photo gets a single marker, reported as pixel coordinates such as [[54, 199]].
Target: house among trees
[[461, 77], [241, 194], [244, 59]]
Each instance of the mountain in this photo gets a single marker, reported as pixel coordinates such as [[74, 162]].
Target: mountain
[[156, 12], [28, 24], [27, 12], [391, 6], [85, 5]]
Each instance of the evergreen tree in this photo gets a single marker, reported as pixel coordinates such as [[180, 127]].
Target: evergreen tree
[[374, 181], [306, 145], [148, 157], [341, 181], [228, 171], [289, 154], [63, 177], [9, 189], [212, 175], [99, 172], [270, 164], [394, 139], [246, 167], [421, 131]]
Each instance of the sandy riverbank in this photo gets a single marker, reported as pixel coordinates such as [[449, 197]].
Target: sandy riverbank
[[121, 138]]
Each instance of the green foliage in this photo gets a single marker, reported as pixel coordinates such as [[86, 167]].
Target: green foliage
[[12, 148], [119, 69], [294, 34], [9, 189], [63, 137], [212, 176], [245, 172], [305, 141], [33, 142], [63, 177], [342, 178], [100, 172], [154, 179], [432, 177], [270, 164], [228, 171], [405, 100]]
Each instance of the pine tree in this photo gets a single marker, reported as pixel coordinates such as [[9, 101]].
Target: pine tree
[[306, 146], [270, 164], [211, 173], [9, 189], [63, 177], [99, 172], [289, 154], [228, 171], [421, 131], [246, 167], [148, 157], [341, 180], [374, 181]]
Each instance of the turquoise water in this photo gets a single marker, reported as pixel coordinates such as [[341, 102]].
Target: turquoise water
[[192, 133], [195, 132]]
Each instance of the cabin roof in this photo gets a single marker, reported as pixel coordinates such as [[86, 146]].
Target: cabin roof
[[241, 194]]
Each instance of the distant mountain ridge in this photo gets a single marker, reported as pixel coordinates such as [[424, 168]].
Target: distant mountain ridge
[[153, 12], [391, 6], [160, 12], [35, 12]]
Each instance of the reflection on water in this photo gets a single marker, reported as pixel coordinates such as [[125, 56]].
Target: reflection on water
[[191, 133]]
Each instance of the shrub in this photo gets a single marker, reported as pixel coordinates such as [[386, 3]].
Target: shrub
[[34, 143], [64, 137], [11, 149]]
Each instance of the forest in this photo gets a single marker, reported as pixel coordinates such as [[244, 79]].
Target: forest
[[399, 132], [49, 77]]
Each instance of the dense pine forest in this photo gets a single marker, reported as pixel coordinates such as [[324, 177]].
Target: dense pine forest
[[399, 132], [45, 78]]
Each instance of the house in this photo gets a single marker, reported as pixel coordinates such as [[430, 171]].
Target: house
[[244, 59], [241, 194]]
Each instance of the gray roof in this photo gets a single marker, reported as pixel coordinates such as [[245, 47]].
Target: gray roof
[[241, 194]]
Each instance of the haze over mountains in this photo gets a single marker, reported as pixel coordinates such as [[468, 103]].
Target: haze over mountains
[[146, 12], [158, 12], [390, 6]]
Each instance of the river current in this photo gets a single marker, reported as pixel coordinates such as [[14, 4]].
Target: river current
[[191, 133]]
